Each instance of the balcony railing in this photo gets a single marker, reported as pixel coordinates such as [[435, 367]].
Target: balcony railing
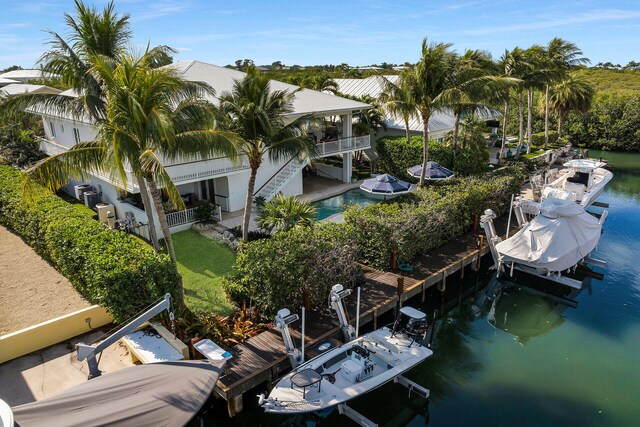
[[196, 170], [343, 145]]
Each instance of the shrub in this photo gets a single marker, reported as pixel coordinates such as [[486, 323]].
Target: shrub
[[537, 138], [273, 273], [107, 267], [205, 211], [395, 156]]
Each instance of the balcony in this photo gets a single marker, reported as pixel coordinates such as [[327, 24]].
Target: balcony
[[196, 170], [343, 145]]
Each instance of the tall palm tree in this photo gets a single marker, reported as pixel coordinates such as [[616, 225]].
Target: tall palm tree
[[427, 81], [508, 65], [537, 73], [472, 85], [561, 56], [572, 94], [92, 33], [256, 114], [516, 65], [397, 100], [150, 115]]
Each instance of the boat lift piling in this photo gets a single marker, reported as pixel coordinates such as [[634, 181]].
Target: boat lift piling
[[337, 294], [283, 319]]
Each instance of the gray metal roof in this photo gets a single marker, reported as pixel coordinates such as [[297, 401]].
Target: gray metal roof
[[25, 74], [306, 101], [373, 86]]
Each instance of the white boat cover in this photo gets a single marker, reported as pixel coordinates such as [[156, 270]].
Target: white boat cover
[[156, 394], [555, 240]]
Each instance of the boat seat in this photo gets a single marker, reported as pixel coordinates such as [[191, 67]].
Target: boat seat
[[575, 187]]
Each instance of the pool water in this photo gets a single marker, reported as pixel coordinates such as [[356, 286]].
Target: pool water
[[336, 204]]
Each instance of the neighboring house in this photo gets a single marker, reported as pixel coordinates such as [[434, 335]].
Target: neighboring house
[[20, 88], [25, 76], [5, 81], [440, 123], [221, 180]]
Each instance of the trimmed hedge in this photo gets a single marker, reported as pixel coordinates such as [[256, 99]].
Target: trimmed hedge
[[414, 224], [395, 156], [537, 138], [109, 268], [272, 273]]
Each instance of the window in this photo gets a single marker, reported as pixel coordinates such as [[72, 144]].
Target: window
[[53, 129], [76, 135], [62, 128]]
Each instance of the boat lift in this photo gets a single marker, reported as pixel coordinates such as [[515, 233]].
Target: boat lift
[[284, 318], [486, 222], [86, 351]]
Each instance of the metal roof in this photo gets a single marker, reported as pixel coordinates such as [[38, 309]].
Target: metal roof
[[306, 101], [5, 81], [25, 74], [18, 88], [373, 86]]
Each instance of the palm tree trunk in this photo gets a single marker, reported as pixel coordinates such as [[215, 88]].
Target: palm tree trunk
[[456, 130], [546, 117], [162, 218], [560, 124], [504, 132], [521, 127], [148, 209], [529, 119], [253, 171], [406, 128], [425, 147]]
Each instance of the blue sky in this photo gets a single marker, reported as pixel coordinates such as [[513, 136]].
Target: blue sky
[[332, 32]]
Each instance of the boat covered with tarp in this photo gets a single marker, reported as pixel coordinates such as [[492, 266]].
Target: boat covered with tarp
[[155, 394], [561, 235]]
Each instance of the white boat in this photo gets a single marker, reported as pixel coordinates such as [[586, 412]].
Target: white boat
[[560, 236], [582, 182], [353, 369]]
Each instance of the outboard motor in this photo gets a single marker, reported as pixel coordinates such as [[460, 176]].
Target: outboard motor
[[412, 323]]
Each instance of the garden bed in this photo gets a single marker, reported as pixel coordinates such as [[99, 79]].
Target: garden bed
[[31, 290]]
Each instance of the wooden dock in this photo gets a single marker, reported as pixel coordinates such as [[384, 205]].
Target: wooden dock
[[263, 358]]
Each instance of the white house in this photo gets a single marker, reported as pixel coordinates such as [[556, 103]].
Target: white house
[[221, 180], [20, 88], [440, 122], [25, 76]]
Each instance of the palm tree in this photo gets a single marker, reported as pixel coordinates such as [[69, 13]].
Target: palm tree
[[573, 94], [561, 56], [321, 83], [427, 81], [150, 115], [92, 33], [286, 212], [516, 65], [256, 113], [397, 100], [537, 73]]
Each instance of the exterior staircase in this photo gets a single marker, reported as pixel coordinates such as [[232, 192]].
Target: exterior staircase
[[280, 179]]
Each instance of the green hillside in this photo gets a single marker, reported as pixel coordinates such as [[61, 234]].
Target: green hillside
[[621, 82]]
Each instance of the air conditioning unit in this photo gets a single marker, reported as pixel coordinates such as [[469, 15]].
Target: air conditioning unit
[[106, 214], [91, 199], [81, 189]]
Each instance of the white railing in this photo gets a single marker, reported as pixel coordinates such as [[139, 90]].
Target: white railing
[[199, 169], [222, 202], [280, 179], [343, 145], [188, 216]]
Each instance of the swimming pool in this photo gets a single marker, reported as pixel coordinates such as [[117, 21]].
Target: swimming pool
[[333, 205]]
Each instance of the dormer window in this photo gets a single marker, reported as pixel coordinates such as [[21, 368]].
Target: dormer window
[[76, 135], [53, 129]]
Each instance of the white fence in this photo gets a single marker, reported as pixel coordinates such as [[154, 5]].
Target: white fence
[[188, 216], [342, 145], [199, 169]]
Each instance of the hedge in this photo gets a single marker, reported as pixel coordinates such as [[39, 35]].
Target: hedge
[[272, 273], [395, 156], [107, 267], [537, 138]]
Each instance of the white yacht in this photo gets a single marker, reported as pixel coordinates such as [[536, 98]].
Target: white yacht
[[582, 182], [355, 368]]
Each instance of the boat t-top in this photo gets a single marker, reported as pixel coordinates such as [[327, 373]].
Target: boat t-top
[[354, 368], [582, 182]]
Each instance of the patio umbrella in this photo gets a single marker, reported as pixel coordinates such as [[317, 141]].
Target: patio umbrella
[[385, 184], [434, 171]]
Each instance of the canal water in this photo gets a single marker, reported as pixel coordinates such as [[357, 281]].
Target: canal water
[[542, 364]]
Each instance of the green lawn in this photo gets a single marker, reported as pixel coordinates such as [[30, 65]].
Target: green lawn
[[202, 263], [533, 154]]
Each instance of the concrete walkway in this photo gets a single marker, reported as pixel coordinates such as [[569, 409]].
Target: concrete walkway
[[46, 372]]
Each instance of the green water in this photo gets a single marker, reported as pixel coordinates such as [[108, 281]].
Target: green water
[[336, 204], [545, 364]]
